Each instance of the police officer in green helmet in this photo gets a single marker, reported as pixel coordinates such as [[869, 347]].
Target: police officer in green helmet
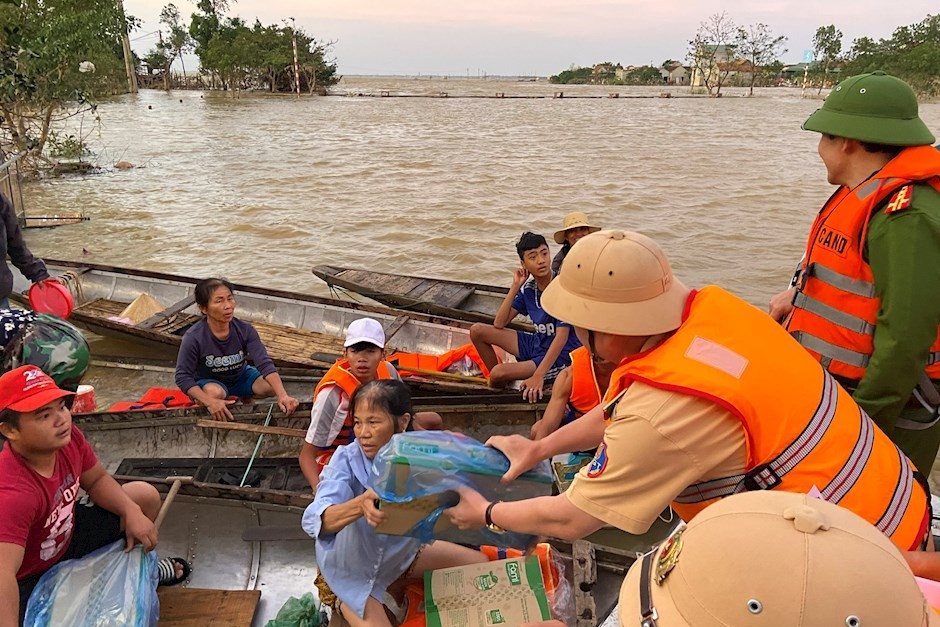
[[866, 298]]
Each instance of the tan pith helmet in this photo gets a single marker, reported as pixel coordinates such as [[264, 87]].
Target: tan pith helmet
[[617, 282], [769, 559], [574, 220]]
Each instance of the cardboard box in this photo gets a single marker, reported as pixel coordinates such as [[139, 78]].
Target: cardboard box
[[566, 466], [506, 592]]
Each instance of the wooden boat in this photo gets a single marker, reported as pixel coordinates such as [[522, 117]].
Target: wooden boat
[[454, 299], [299, 330], [246, 538]]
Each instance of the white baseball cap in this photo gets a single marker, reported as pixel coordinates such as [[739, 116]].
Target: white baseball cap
[[365, 330]]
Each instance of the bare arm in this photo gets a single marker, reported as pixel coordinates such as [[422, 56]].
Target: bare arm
[[506, 312], [108, 493], [555, 411], [336, 517], [308, 464], [11, 558], [533, 385], [218, 407], [584, 433], [543, 516]]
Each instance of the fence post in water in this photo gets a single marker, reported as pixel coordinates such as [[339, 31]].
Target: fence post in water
[[559, 94]]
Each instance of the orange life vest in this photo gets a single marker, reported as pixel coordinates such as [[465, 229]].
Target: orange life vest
[[802, 430], [585, 392], [438, 363], [340, 376], [836, 306]]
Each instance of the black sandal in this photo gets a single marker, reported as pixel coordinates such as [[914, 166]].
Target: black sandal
[[166, 570]]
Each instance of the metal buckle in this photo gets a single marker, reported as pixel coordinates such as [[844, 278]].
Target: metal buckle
[[762, 471]]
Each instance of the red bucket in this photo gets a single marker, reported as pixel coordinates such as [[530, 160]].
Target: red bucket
[[51, 297], [84, 400]]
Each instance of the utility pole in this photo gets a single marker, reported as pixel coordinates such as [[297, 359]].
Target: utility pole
[[296, 65], [128, 56]]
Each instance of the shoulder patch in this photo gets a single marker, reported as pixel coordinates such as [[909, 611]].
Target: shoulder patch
[[900, 201], [599, 463]]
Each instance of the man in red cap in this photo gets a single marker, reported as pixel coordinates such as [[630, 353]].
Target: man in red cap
[[44, 462]]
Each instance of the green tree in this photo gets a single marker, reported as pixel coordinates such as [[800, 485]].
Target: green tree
[[912, 53], [43, 77], [759, 47], [712, 51], [827, 47]]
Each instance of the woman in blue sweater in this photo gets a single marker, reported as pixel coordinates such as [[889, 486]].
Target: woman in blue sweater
[[213, 360]]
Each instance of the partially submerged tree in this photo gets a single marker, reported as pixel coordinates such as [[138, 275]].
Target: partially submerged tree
[[712, 51], [757, 45], [56, 56], [827, 48]]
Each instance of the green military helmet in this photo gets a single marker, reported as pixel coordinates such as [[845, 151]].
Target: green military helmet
[[53, 345], [875, 108]]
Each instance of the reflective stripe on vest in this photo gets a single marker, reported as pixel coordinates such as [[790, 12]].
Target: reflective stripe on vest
[[802, 431], [767, 476], [889, 521], [836, 307]]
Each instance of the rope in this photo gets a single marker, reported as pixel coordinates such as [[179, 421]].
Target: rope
[[254, 454]]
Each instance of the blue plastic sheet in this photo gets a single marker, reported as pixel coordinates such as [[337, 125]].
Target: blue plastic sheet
[[432, 463], [106, 588]]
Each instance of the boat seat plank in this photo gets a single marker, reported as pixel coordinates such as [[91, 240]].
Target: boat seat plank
[[383, 283], [198, 607], [167, 313], [447, 295], [296, 345]]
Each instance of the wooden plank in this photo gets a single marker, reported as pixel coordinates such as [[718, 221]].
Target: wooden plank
[[450, 296], [395, 327], [239, 426], [172, 310], [200, 607], [585, 577]]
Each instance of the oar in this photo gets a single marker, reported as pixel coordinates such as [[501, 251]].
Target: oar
[[171, 495], [241, 426], [435, 374]]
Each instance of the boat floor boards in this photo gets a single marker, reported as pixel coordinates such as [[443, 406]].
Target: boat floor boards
[[198, 607]]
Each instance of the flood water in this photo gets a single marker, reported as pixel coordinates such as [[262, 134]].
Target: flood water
[[260, 188]]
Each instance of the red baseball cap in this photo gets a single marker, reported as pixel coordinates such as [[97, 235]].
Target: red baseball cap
[[28, 388]]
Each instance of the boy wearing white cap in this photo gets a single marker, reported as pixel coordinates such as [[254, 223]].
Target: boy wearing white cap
[[711, 398], [330, 420]]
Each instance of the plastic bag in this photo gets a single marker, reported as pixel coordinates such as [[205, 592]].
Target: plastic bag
[[425, 464], [302, 612], [106, 588]]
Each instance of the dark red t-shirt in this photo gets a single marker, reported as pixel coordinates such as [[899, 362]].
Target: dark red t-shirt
[[37, 513]]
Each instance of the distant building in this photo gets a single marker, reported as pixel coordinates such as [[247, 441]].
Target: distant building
[[603, 68], [675, 73], [702, 70]]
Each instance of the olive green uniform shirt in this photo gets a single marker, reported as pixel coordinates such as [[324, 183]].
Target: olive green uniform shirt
[[903, 250]]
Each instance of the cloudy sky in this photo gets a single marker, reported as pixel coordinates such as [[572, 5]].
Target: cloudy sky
[[541, 37]]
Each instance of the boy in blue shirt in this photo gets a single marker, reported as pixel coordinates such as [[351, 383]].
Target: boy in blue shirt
[[541, 355]]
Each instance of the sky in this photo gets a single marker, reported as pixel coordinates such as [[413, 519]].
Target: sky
[[536, 37]]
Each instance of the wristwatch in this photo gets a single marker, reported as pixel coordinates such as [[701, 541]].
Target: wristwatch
[[488, 517]]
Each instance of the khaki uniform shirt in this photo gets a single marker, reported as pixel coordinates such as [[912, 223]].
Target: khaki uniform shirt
[[657, 444]]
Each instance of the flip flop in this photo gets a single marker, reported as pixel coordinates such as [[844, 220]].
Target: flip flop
[[166, 569]]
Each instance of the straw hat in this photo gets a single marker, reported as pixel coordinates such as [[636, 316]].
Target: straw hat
[[617, 282], [573, 221], [769, 559]]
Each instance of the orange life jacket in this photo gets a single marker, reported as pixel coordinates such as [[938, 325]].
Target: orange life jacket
[[340, 376], [836, 307], [438, 363], [802, 430], [156, 398], [585, 392]]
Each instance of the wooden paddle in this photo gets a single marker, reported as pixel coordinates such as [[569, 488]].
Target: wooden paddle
[[241, 426], [434, 374]]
